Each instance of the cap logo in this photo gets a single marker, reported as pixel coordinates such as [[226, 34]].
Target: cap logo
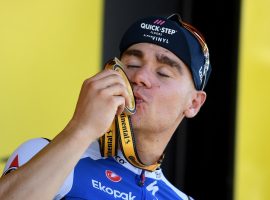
[[158, 30], [177, 36], [204, 69], [159, 22], [150, 27]]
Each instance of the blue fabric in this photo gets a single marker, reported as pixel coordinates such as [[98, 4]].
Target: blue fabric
[[90, 182]]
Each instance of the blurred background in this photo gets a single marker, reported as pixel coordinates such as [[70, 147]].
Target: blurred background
[[47, 49]]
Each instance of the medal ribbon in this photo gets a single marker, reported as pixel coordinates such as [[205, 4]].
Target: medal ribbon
[[121, 130]]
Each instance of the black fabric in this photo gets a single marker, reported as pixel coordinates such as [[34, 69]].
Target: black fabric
[[170, 34]]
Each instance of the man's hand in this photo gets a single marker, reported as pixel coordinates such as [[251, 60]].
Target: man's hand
[[101, 98]]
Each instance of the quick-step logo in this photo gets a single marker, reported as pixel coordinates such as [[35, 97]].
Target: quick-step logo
[[158, 28], [115, 193], [157, 32]]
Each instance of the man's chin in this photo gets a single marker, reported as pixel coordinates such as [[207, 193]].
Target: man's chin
[[136, 121]]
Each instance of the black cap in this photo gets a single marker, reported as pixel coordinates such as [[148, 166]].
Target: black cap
[[175, 35]]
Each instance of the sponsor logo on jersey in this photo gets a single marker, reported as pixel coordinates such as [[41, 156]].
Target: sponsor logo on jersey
[[153, 188], [158, 174], [15, 162], [13, 165], [113, 176], [115, 193], [120, 160]]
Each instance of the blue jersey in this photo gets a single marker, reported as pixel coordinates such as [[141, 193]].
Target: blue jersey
[[98, 178]]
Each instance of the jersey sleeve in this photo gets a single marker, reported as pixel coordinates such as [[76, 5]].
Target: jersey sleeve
[[24, 153]]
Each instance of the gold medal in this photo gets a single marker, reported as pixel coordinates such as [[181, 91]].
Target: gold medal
[[116, 65]]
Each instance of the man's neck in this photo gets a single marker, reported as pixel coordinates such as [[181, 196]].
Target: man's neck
[[150, 147]]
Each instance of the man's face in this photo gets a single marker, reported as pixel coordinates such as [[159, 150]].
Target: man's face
[[162, 86]]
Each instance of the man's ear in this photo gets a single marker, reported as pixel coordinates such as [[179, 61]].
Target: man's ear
[[196, 103]]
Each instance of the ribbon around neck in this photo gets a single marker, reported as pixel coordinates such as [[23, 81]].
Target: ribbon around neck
[[121, 131]]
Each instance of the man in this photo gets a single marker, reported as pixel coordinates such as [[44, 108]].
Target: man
[[167, 64]]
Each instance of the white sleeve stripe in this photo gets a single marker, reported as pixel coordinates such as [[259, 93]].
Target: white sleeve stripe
[[178, 192]]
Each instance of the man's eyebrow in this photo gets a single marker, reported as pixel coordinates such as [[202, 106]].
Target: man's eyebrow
[[133, 52], [168, 61]]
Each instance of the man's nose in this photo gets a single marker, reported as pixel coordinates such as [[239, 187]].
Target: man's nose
[[141, 77]]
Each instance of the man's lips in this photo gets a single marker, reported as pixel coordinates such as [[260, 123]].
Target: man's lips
[[139, 98]]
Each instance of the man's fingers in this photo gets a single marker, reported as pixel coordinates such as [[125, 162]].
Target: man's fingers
[[120, 108], [109, 83], [105, 80], [117, 89], [103, 74]]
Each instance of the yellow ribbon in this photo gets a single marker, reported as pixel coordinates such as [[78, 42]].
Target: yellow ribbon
[[122, 128]]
